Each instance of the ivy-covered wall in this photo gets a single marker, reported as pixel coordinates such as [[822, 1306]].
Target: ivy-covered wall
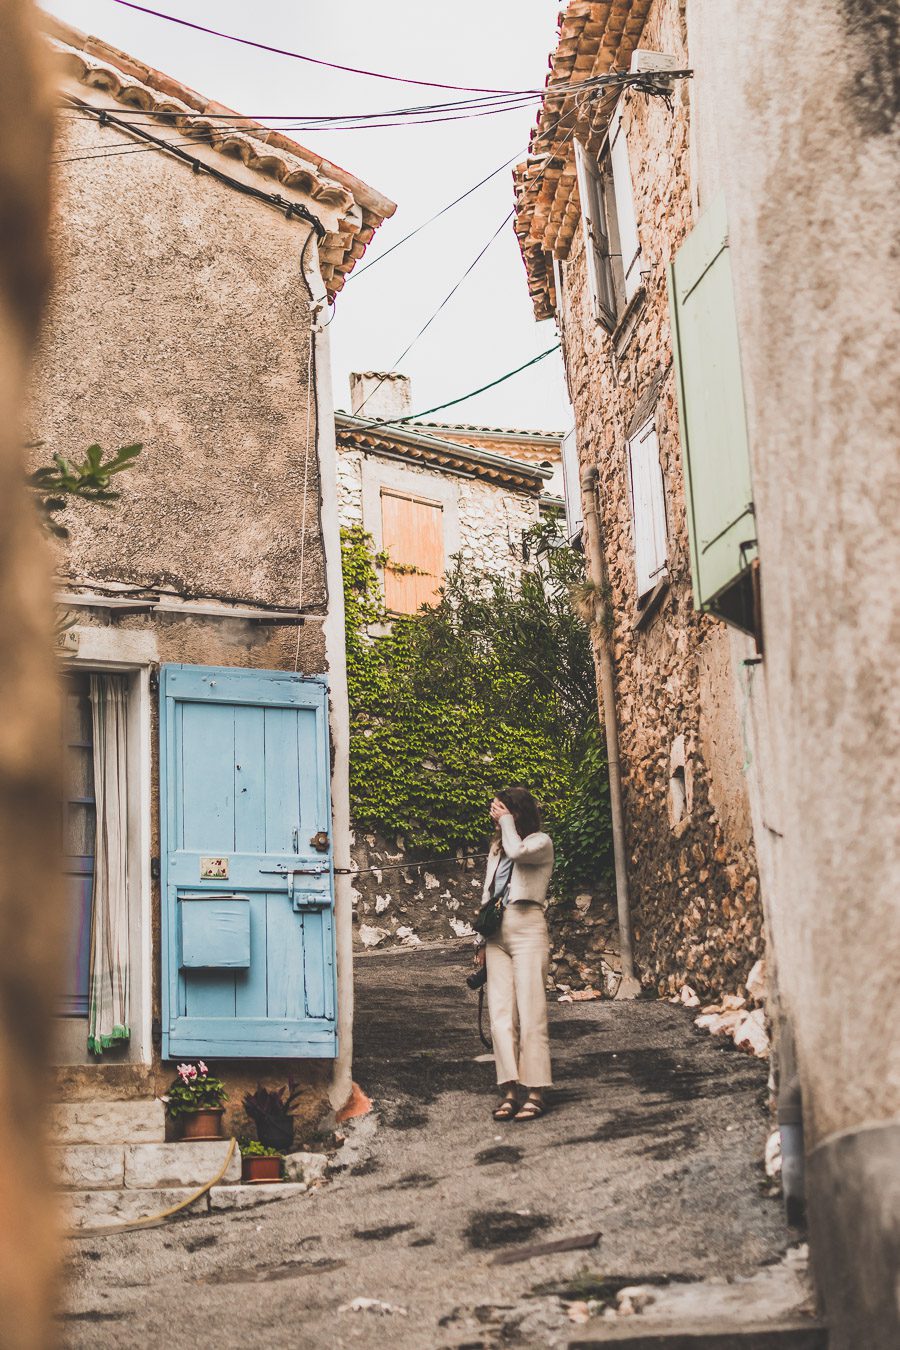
[[493, 686]]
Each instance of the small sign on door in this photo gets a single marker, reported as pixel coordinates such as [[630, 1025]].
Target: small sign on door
[[213, 869]]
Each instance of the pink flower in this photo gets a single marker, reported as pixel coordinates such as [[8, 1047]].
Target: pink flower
[[202, 1067], [186, 1072]]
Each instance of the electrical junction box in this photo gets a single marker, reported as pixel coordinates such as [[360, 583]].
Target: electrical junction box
[[646, 62]]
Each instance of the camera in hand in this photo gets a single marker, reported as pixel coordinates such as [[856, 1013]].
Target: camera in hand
[[478, 978]]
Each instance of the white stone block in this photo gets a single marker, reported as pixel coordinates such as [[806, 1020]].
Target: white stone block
[[109, 1122], [245, 1197], [305, 1166], [185, 1164], [98, 1209], [89, 1166]]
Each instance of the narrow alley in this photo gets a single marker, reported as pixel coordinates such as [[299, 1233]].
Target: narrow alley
[[654, 1142]]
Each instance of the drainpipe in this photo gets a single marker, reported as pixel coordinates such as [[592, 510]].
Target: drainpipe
[[629, 985]]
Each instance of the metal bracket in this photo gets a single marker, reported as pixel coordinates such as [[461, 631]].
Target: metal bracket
[[317, 870]]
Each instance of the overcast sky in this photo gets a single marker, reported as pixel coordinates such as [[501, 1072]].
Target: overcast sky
[[488, 327]]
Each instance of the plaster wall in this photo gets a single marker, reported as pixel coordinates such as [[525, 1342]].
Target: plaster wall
[[180, 319], [821, 355], [806, 152], [695, 891], [484, 523]]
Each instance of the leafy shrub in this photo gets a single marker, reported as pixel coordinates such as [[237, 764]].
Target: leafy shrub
[[493, 686]]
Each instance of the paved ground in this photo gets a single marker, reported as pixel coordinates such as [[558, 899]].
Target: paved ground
[[655, 1140]]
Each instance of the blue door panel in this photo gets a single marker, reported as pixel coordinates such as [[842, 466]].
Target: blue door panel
[[245, 787]]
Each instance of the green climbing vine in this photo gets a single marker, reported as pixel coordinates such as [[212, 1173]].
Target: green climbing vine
[[492, 686]]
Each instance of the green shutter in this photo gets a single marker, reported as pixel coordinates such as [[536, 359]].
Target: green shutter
[[713, 425]]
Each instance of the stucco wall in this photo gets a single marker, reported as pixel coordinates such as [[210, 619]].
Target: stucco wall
[[181, 320], [809, 169], [696, 909], [489, 521], [797, 109]]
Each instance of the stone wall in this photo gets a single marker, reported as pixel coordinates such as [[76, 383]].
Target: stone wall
[[695, 893], [492, 519], [401, 900]]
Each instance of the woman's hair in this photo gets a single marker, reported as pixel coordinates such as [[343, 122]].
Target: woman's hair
[[525, 810]]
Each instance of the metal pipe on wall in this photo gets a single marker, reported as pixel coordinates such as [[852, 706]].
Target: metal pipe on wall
[[629, 986]]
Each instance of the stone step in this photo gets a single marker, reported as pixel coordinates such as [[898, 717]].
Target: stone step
[[100, 1209], [796, 1334], [103, 1209], [107, 1121], [146, 1166]]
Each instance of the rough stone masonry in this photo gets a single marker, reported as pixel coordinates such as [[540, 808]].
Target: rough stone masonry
[[696, 908]]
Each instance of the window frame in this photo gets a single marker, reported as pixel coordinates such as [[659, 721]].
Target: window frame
[[649, 516], [608, 215]]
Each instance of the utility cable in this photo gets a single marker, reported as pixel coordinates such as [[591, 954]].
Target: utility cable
[[412, 417], [437, 215], [298, 56], [446, 300], [472, 265]]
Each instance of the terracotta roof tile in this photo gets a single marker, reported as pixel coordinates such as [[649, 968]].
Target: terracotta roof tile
[[99, 65], [595, 37]]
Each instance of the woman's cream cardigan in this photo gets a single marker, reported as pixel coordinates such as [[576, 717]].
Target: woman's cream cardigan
[[532, 859]]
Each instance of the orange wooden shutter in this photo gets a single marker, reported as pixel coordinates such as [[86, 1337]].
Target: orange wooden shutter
[[412, 536]]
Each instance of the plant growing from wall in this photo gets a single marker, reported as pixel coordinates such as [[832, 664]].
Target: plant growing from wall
[[492, 686], [58, 484]]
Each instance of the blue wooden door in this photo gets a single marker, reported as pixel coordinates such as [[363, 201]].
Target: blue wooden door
[[247, 875]]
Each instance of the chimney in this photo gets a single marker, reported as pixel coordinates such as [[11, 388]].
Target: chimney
[[384, 394]]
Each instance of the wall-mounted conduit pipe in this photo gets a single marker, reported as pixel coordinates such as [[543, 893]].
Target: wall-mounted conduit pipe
[[629, 985]]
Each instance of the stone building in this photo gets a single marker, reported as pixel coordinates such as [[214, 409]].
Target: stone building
[[206, 814], [600, 207], [770, 195], [428, 492]]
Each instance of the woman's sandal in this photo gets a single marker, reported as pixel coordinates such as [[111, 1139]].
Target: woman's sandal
[[531, 1109], [506, 1109]]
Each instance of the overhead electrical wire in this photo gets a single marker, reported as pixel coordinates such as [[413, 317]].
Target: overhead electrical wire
[[471, 267], [357, 272], [299, 56], [464, 398]]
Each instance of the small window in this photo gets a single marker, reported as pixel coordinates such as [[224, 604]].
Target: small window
[[610, 224], [413, 539], [648, 508]]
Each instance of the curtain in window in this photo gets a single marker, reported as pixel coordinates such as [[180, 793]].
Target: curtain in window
[[108, 1005]]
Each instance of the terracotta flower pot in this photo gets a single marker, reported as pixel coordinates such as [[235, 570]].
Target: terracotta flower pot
[[205, 1123], [256, 1170]]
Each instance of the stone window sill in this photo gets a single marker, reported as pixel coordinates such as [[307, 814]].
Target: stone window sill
[[625, 329], [651, 605]]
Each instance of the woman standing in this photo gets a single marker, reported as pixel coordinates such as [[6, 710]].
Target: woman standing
[[517, 954]]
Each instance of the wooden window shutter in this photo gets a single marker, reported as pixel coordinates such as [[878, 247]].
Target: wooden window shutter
[[413, 539], [712, 422], [596, 234], [625, 213], [648, 505]]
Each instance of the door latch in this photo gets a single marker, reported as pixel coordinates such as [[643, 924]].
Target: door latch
[[317, 870], [320, 841]]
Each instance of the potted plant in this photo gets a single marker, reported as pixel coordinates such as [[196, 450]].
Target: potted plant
[[196, 1099], [260, 1164], [272, 1112]]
